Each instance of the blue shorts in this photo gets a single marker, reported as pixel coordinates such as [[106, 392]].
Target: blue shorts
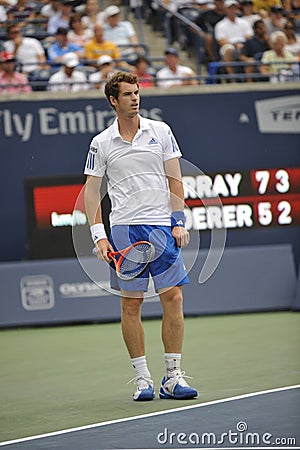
[[167, 269]]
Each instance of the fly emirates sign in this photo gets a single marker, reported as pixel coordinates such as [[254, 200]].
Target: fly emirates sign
[[52, 121]]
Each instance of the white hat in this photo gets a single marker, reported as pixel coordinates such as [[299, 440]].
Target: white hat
[[104, 59], [229, 3], [70, 59], [112, 10]]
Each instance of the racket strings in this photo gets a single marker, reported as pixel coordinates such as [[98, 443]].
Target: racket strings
[[136, 260]]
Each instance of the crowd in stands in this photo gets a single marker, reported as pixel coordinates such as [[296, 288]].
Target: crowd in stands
[[71, 45]]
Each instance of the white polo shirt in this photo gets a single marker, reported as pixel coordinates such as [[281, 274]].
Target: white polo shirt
[[234, 32], [137, 183], [27, 53], [60, 82], [166, 78]]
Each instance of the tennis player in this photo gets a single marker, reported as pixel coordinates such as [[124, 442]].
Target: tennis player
[[140, 160]]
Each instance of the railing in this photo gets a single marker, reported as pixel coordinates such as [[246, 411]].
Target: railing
[[198, 45]]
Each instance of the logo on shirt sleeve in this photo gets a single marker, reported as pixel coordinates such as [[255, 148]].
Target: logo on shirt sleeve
[[90, 162]]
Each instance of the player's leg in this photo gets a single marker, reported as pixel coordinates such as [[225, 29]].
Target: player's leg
[[173, 384], [133, 335]]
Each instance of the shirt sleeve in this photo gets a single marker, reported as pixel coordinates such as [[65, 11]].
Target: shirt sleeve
[[171, 148], [95, 162]]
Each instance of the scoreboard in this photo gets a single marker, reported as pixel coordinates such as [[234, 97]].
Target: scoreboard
[[257, 198]]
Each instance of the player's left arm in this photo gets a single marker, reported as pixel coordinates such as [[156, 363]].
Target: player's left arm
[[173, 173]]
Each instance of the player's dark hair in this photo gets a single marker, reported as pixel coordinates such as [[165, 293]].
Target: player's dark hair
[[112, 87]]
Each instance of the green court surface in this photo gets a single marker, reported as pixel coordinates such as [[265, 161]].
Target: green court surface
[[63, 377]]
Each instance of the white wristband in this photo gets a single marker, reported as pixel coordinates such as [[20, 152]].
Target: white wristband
[[98, 232]]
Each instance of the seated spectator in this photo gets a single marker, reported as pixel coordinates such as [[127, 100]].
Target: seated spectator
[[61, 46], [207, 22], [68, 79], [278, 61], [62, 18], [231, 33], [50, 9], [106, 68], [173, 74], [78, 34], [11, 82], [247, 13], [119, 32], [98, 46], [276, 21], [146, 79], [254, 47], [28, 51], [293, 39], [92, 15], [21, 13]]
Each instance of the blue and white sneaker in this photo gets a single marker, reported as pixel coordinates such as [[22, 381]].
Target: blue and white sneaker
[[176, 387], [144, 389]]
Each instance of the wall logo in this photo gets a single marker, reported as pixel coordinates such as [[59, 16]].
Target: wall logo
[[278, 115], [37, 292]]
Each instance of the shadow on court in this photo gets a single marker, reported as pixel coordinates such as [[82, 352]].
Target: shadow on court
[[267, 419]]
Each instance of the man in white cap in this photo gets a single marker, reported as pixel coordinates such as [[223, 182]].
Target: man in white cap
[[119, 32], [105, 70], [231, 33], [68, 79]]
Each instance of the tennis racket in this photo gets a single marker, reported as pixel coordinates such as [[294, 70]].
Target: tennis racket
[[133, 260]]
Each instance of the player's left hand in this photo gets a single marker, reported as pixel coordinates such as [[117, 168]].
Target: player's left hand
[[181, 236]]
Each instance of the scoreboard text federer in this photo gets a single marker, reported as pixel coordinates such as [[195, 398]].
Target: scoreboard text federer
[[246, 199]]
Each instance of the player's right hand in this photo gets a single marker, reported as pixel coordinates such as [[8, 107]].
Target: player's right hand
[[102, 248]]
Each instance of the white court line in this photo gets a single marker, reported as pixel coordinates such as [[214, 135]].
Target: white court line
[[143, 416]]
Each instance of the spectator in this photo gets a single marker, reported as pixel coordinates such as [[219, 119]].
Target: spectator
[[98, 46], [276, 20], [92, 15], [278, 61], [254, 47], [50, 9], [207, 22], [119, 32], [28, 51], [68, 79], [62, 18], [61, 46], [174, 74], [146, 80], [293, 39], [78, 34], [11, 82], [231, 33], [21, 13], [106, 67], [247, 13]]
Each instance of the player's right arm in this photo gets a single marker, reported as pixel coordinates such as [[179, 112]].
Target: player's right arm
[[93, 210]]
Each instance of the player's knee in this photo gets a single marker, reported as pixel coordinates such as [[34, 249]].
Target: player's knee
[[132, 306]]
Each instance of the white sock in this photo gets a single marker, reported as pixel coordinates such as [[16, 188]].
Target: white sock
[[140, 366], [172, 363]]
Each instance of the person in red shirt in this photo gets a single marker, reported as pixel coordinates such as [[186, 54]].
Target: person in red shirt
[[10, 80], [141, 66]]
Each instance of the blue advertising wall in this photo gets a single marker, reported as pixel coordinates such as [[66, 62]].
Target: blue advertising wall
[[218, 130]]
